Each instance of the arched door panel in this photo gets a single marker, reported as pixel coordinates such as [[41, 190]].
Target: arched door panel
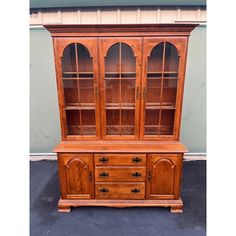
[[76, 175], [163, 171]]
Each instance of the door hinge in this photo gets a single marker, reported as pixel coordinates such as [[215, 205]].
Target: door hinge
[[96, 92], [90, 176], [144, 92], [137, 92]]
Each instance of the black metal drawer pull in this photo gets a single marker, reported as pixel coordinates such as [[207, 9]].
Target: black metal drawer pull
[[136, 159], [104, 174], [104, 190], [135, 190], [103, 159], [136, 174]]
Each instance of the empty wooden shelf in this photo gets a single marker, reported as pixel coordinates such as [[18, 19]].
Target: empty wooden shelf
[[120, 91]]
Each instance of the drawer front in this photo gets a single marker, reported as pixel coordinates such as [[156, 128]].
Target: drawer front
[[120, 190], [120, 159], [120, 174]]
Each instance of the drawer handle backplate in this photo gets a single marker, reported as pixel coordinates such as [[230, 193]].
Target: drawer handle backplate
[[104, 190], [136, 159], [104, 174], [136, 174], [103, 159], [135, 190]]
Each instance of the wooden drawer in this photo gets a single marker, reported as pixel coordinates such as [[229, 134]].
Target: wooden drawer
[[120, 190], [120, 159], [120, 173]]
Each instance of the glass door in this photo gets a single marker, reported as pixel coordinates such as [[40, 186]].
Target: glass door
[[121, 89], [160, 89], [80, 89]]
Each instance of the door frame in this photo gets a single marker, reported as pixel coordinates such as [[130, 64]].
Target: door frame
[[63, 160], [59, 45], [181, 44], [177, 162], [136, 45]]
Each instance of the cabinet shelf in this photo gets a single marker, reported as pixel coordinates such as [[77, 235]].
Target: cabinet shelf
[[122, 75], [77, 75], [123, 126], [164, 72], [158, 106], [75, 78], [82, 106], [117, 106], [159, 75], [120, 72], [74, 72], [84, 126]]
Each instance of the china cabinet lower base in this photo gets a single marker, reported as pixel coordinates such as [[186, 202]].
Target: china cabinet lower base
[[176, 206]]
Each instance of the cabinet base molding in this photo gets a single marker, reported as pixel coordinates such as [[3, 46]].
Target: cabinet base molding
[[176, 206]]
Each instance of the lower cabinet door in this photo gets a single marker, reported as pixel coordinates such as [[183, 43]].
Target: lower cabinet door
[[76, 176], [163, 176]]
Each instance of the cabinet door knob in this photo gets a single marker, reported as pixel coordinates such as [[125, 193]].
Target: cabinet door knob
[[103, 159], [135, 190], [104, 190], [136, 159], [104, 174], [136, 174]]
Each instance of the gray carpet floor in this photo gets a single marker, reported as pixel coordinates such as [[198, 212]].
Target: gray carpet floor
[[96, 221]]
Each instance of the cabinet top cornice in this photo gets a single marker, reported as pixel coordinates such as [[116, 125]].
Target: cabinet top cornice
[[120, 29]]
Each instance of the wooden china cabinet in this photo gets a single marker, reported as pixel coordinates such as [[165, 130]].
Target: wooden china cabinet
[[120, 90]]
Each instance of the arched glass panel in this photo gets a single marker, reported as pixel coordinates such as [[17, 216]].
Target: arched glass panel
[[161, 88], [78, 83], [120, 79]]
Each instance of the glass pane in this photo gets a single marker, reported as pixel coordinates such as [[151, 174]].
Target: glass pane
[[78, 82], [161, 89], [153, 93], [151, 122], [85, 63], [112, 92], [71, 92], [155, 59], [171, 58], [68, 60], [153, 90], [113, 122], [167, 122], [169, 92], [127, 59], [73, 122], [127, 121], [128, 92], [112, 59], [86, 92], [88, 122], [120, 75]]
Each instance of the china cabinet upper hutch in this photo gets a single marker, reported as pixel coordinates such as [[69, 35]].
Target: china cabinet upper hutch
[[120, 90]]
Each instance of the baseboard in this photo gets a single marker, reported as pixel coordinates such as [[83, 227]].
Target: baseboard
[[52, 156]]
